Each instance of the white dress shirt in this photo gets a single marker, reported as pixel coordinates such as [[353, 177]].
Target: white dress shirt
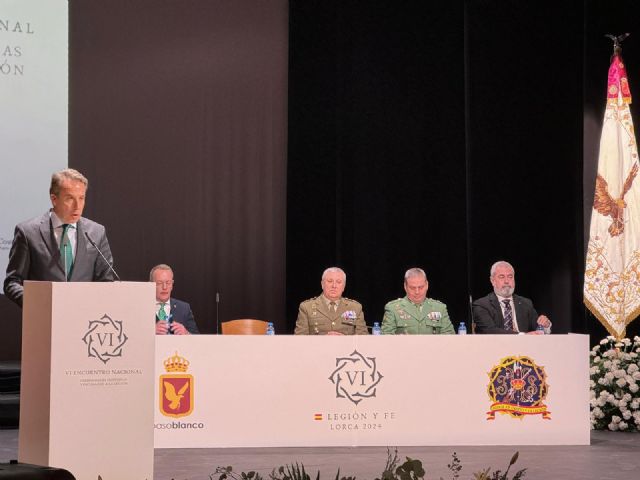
[[72, 232]]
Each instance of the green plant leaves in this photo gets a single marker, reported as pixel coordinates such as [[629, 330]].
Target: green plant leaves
[[411, 469]]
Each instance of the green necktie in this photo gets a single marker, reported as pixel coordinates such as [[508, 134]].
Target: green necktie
[[66, 252], [162, 315]]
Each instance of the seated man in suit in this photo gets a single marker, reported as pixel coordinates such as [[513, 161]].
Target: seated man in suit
[[330, 313], [415, 313], [173, 317], [57, 246], [502, 312]]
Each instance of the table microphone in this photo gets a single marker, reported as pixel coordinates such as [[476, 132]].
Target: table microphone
[[102, 255], [471, 313], [217, 313]]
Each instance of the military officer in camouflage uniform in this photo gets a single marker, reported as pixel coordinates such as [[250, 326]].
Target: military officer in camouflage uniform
[[415, 313], [330, 313]]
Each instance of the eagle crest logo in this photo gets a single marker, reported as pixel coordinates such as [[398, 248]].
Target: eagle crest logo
[[176, 388], [608, 206]]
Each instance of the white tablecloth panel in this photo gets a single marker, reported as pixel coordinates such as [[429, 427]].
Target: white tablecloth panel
[[261, 391]]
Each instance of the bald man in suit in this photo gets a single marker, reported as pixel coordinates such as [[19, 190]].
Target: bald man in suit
[[330, 313], [173, 316], [54, 247]]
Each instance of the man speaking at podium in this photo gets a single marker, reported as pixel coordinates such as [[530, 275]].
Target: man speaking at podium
[[60, 245]]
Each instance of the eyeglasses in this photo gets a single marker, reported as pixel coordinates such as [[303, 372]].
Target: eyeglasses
[[168, 283]]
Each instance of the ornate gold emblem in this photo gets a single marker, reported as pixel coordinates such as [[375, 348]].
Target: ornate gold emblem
[[518, 387]]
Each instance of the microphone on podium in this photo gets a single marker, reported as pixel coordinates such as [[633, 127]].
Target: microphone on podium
[[102, 255]]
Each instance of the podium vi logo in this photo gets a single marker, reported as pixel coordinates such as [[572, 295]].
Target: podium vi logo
[[105, 338], [356, 377]]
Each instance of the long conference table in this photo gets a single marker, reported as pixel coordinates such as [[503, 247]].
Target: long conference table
[[410, 390]]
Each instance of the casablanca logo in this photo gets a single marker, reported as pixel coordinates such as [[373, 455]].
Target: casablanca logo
[[518, 387], [176, 389], [355, 377], [105, 338]]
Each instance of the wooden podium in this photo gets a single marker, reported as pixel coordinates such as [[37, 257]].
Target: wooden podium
[[88, 378]]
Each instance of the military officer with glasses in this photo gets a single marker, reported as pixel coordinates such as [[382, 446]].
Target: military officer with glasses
[[415, 313]]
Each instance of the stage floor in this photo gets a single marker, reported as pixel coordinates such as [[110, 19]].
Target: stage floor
[[611, 456]]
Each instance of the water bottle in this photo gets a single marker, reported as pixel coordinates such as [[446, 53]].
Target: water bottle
[[270, 329], [169, 321], [540, 328], [376, 329], [462, 329]]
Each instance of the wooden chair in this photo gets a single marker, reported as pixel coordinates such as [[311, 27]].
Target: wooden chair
[[244, 326]]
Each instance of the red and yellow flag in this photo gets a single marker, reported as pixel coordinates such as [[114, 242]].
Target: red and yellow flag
[[612, 270]]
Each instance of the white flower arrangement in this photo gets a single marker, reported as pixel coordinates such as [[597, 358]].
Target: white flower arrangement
[[615, 378]]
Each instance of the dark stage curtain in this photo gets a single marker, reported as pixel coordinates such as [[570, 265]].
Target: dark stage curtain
[[525, 66], [178, 118], [376, 164], [447, 135]]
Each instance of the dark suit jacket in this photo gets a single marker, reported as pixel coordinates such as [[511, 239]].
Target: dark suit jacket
[[487, 315], [35, 255], [181, 313]]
